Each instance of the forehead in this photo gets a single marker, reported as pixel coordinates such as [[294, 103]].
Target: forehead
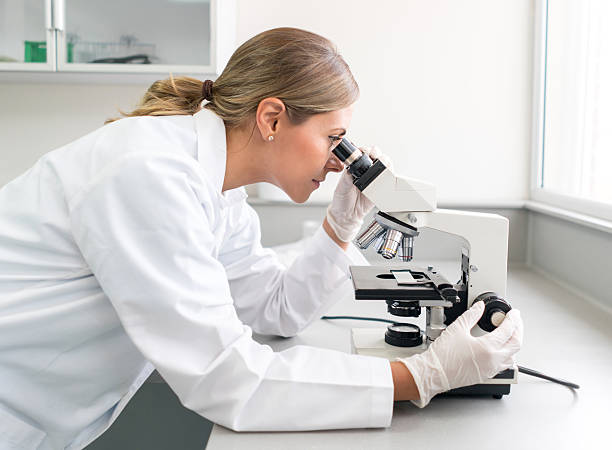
[[339, 119]]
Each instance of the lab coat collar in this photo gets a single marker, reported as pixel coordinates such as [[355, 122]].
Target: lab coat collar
[[212, 154]]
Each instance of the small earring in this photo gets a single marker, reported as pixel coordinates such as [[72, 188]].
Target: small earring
[[270, 138]]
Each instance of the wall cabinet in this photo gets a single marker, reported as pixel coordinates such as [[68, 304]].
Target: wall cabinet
[[116, 36]]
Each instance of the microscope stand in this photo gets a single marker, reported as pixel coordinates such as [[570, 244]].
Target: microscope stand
[[371, 342]]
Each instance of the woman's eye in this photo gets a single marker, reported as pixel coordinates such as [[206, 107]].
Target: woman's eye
[[334, 140]]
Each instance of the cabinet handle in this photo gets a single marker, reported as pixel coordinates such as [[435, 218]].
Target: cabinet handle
[[59, 14]]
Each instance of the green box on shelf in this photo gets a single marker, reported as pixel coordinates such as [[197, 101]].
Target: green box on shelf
[[36, 51]]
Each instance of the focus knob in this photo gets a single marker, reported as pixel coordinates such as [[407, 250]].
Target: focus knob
[[495, 311]]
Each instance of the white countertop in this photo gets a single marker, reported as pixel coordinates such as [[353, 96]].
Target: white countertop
[[565, 337]]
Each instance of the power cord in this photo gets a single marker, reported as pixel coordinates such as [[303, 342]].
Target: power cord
[[535, 373], [521, 369], [373, 319]]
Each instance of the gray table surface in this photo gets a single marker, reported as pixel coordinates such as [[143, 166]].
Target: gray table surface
[[565, 337]]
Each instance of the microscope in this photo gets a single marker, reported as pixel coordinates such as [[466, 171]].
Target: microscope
[[405, 206]]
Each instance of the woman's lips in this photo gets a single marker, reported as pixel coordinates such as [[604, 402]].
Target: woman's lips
[[316, 183]]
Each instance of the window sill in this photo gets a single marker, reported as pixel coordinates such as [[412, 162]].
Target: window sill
[[570, 216], [529, 205]]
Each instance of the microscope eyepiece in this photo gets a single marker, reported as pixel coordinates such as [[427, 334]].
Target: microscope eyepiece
[[356, 161]]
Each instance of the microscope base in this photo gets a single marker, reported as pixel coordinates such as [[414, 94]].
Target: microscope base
[[371, 342]]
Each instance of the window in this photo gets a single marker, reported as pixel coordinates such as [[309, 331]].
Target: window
[[573, 143]]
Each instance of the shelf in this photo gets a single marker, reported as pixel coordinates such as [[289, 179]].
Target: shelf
[[214, 42], [48, 77]]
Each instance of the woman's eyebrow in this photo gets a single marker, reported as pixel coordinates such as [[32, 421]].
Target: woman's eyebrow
[[342, 131]]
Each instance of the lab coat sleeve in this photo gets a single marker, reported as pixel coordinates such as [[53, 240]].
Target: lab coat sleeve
[[286, 299], [144, 228]]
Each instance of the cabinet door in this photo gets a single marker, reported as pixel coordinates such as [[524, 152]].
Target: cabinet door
[[26, 35], [135, 36]]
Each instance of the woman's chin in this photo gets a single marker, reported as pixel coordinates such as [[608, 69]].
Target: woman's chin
[[299, 197]]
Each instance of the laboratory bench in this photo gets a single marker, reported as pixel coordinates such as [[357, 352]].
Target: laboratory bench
[[565, 336]]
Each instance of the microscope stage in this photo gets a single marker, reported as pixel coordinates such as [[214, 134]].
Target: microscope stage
[[399, 283]]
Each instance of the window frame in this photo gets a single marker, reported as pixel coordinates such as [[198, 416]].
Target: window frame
[[538, 193]]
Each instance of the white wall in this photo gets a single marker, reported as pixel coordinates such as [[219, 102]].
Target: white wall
[[575, 256], [445, 90], [445, 84], [36, 118]]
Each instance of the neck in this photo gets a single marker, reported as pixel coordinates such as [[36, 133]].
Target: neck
[[246, 159]]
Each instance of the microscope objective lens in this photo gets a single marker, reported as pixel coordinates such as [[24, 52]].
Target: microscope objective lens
[[391, 244], [407, 248], [373, 231]]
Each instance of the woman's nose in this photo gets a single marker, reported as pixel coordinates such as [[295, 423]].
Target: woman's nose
[[334, 164]]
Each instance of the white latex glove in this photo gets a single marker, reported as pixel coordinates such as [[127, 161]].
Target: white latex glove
[[457, 358], [349, 206]]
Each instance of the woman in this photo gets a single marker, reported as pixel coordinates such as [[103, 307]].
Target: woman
[[133, 248]]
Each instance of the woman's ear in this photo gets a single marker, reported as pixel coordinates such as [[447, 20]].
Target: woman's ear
[[267, 117]]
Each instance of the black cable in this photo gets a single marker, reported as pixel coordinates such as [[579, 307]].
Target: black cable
[[535, 373], [373, 319], [521, 369]]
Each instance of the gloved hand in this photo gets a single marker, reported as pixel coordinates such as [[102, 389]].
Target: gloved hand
[[457, 358], [349, 206]]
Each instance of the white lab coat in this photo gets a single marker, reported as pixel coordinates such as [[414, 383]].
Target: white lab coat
[[119, 254]]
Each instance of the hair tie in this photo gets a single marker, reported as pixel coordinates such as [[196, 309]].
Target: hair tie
[[207, 90]]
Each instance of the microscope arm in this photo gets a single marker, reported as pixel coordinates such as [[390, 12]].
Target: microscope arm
[[409, 204], [486, 243], [413, 202]]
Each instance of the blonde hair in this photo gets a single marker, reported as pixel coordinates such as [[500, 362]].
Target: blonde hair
[[301, 68]]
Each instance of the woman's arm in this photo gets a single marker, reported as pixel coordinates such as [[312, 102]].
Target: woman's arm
[[330, 232], [404, 387], [146, 229], [274, 299]]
